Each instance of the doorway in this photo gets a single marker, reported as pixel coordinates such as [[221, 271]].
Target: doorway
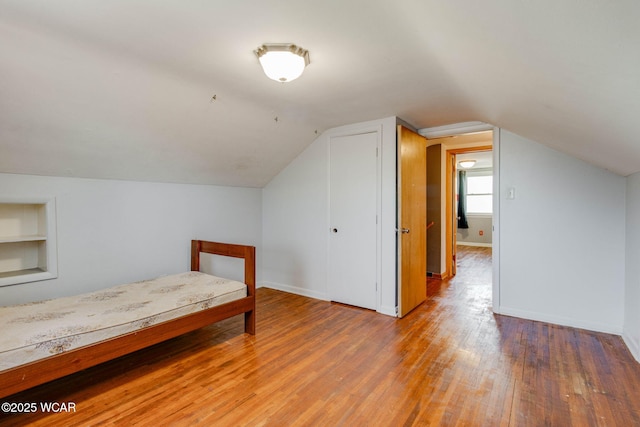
[[477, 238], [469, 201], [474, 231], [475, 173]]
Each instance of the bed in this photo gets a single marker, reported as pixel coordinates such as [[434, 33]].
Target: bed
[[45, 340]]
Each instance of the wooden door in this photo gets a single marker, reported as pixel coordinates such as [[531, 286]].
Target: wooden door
[[353, 229], [412, 220]]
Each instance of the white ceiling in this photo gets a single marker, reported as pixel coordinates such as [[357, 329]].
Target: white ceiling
[[483, 159], [123, 89]]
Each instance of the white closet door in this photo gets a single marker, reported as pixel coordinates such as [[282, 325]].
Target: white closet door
[[353, 230]]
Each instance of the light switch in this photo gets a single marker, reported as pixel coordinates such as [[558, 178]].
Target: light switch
[[511, 193]]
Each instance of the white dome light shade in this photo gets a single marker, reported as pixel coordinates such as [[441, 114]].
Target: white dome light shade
[[466, 164], [282, 62]]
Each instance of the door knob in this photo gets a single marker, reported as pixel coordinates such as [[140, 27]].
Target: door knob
[[405, 230], [335, 230]]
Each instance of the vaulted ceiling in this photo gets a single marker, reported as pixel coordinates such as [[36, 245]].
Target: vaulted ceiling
[[171, 91]]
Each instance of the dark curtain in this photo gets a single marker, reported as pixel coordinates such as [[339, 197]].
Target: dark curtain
[[462, 200]]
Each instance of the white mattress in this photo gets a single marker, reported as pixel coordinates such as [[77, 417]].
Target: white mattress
[[40, 329]]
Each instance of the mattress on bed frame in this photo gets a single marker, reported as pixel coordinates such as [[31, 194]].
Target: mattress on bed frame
[[37, 330]]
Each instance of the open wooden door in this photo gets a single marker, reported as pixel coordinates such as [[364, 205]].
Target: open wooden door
[[412, 220]]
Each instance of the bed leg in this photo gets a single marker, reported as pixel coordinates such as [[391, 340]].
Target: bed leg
[[250, 322]]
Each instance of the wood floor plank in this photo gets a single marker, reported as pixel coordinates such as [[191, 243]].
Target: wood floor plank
[[313, 363]]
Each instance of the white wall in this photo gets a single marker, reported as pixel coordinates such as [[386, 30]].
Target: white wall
[[471, 236], [562, 251], [631, 333], [296, 214], [295, 224], [114, 232]]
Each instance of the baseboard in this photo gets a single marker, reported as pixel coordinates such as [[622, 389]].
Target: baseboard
[[562, 321], [295, 290], [480, 245], [633, 346], [388, 311]]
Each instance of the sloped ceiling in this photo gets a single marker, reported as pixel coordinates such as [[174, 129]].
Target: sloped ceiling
[[124, 89]]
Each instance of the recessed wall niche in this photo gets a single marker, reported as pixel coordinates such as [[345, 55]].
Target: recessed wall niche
[[28, 250]]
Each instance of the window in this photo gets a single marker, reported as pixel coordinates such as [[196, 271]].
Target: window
[[479, 192]]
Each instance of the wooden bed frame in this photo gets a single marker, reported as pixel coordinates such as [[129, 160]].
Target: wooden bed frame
[[35, 373]]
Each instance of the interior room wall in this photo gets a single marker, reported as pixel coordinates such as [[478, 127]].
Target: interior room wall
[[296, 214], [631, 333], [115, 232], [295, 224], [561, 238], [472, 236]]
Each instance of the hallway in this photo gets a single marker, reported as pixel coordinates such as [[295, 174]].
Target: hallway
[[474, 274]]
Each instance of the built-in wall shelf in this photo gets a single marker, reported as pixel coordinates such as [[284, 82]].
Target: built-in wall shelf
[[26, 272], [14, 239], [28, 250]]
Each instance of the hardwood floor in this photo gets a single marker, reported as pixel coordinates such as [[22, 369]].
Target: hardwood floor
[[449, 362]]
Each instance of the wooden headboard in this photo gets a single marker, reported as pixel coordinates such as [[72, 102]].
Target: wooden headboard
[[248, 253]]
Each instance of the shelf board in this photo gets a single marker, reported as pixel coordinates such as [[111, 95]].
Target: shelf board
[[24, 276], [18, 239], [21, 272]]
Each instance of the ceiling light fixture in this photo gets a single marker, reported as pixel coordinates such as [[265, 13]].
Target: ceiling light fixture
[[282, 62], [466, 164]]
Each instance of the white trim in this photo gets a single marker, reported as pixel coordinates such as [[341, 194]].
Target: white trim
[[633, 346], [495, 235], [294, 290], [388, 311], [455, 129], [563, 321], [477, 244], [479, 215], [379, 219]]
